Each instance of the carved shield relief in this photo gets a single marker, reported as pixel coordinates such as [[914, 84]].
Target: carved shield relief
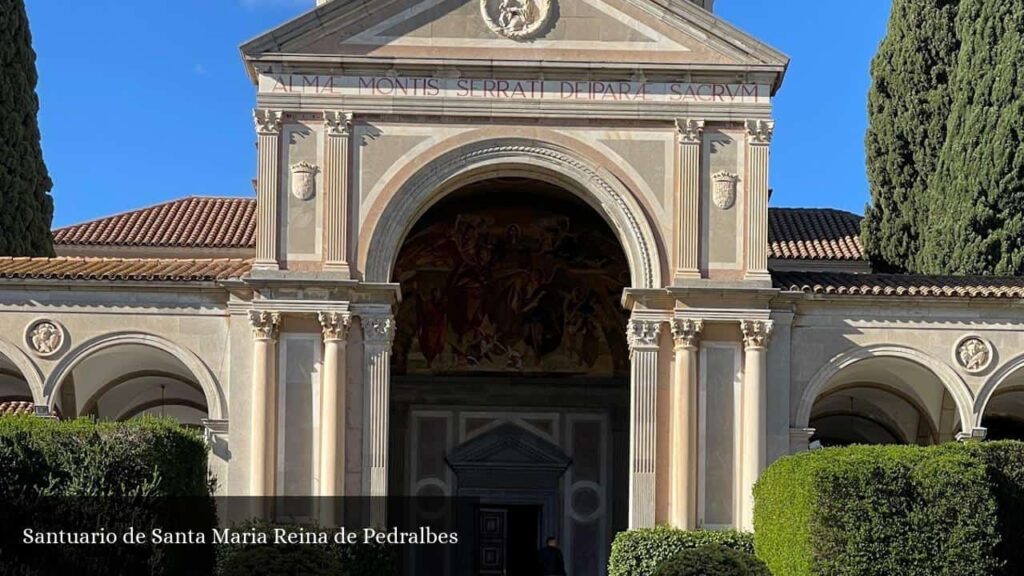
[[517, 19], [304, 180], [723, 191]]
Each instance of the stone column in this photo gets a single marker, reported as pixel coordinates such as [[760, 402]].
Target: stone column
[[332, 401], [378, 336], [336, 177], [759, 139], [264, 374], [686, 334], [753, 413], [690, 133], [800, 439], [268, 129], [643, 422]]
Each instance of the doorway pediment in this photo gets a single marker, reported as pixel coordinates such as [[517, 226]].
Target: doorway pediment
[[508, 446], [676, 33]]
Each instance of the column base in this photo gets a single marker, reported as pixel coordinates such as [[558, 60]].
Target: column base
[[266, 265], [340, 269], [682, 276], [759, 276]]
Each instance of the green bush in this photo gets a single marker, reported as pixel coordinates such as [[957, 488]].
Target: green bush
[[879, 510], [640, 552], [81, 476], [713, 560]]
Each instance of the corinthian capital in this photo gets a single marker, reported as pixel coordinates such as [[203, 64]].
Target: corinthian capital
[[267, 121], [760, 131], [690, 130], [379, 329], [756, 332], [264, 324], [686, 332], [337, 123], [643, 333], [335, 325]]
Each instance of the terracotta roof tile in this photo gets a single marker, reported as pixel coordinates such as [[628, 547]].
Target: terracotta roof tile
[[814, 233], [192, 222], [17, 407], [140, 269], [827, 283], [195, 222]]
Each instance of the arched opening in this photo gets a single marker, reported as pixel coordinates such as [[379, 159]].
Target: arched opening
[[511, 316], [130, 380], [884, 400], [1004, 414], [15, 392]]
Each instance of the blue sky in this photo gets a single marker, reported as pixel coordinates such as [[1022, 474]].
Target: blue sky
[[146, 101]]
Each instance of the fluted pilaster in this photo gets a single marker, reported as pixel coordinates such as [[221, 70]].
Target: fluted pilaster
[[378, 336], [753, 413], [268, 130], [690, 135], [336, 213], [643, 422], [759, 139]]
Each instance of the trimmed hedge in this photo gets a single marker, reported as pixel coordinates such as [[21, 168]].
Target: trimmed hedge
[[640, 552], [713, 560], [81, 476], [947, 510]]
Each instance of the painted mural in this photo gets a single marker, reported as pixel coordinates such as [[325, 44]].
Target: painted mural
[[530, 285]]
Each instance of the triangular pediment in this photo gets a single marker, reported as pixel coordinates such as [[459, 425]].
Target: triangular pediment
[[508, 446], [672, 33]]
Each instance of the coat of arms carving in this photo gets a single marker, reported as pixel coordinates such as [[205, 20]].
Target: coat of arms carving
[[517, 19], [304, 180], [723, 191]]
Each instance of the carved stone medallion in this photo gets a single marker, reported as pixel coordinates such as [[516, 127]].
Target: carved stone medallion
[[45, 337], [973, 353], [723, 186], [304, 180], [517, 19]]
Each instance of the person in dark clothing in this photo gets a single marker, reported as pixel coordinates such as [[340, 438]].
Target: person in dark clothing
[[549, 560]]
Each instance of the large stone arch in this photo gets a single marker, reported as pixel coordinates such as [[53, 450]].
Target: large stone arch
[[523, 157], [992, 386], [945, 374], [29, 371], [214, 396]]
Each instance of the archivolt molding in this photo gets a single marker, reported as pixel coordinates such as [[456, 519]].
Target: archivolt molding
[[994, 383], [428, 185], [949, 378], [214, 397], [27, 368]]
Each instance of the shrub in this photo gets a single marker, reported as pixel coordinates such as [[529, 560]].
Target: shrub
[[713, 560], [640, 552], [874, 510], [82, 476]]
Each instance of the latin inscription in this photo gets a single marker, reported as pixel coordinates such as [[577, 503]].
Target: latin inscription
[[499, 89]]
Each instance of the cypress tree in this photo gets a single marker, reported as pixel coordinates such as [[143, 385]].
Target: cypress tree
[[908, 106], [26, 208], [976, 224]]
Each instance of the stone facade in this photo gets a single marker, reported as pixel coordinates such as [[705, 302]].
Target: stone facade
[[657, 118]]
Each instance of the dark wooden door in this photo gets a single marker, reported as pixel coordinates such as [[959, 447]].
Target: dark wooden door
[[492, 541]]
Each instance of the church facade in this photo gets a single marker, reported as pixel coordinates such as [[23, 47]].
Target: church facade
[[519, 250]]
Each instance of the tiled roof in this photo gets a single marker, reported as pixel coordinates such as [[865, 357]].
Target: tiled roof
[[143, 269], [192, 222], [900, 285], [813, 233], [793, 233], [17, 407]]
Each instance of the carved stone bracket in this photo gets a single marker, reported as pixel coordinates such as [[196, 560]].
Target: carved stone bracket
[[265, 325], [760, 131], [335, 325], [267, 121], [756, 333], [686, 332]]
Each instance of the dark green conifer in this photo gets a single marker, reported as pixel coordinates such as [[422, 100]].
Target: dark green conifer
[[26, 208], [908, 107]]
